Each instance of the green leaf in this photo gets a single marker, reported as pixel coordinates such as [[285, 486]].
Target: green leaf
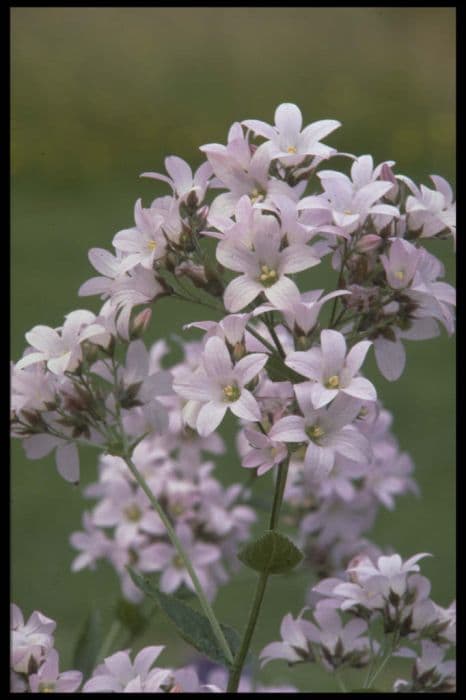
[[279, 372], [272, 553], [88, 645], [193, 626]]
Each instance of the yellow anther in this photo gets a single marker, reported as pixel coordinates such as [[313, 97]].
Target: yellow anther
[[291, 149], [333, 382], [46, 687], [268, 276], [348, 212], [400, 275], [256, 195], [315, 432], [231, 392], [152, 245], [133, 512]]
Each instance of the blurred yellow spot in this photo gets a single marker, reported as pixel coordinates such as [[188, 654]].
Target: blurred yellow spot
[[291, 149], [399, 274], [152, 245], [315, 432], [333, 382]]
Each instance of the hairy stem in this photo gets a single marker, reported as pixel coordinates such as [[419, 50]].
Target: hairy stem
[[205, 605]]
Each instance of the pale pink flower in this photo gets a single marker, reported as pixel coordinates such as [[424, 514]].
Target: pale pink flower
[[326, 431], [221, 386], [341, 643], [48, 679], [295, 645], [119, 675], [400, 264], [288, 141], [32, 388], [144, 243], [431, 211], [264, 270], [243, 172], [66, 453], [349, 208], [32, 641], [164, 557], [61, 348], [122, 290], [92, 544], [332, 371], [181, 178], [265, 453]]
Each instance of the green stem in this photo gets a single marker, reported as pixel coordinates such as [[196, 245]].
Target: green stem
[[387, 657], [278, 496], [240, 658], [109, 640], [276, 340], [205, 605]]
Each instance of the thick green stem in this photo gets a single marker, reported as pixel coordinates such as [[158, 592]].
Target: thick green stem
[[205, 605], [240, 658]]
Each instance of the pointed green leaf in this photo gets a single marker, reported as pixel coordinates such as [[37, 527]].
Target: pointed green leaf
[[193, 626], [272, 553], [88, 645]]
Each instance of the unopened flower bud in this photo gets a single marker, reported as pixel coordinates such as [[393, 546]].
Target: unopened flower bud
[[239, 351], [387, 175], [369, 243], [140, 323]]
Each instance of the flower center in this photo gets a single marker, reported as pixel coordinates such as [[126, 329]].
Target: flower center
[[152, 245], [46, 687], [268, 276], [348, 212], [314, 432], [256, 195], [177, 562], [333, 382], [291, 149], [231, 392], [133, 513], [400, 275]]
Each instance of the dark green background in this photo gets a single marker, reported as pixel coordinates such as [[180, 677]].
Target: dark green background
[[101, 95]]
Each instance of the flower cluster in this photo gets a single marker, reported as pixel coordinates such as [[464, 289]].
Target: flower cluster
[[210, 520], [34, 662], [333, 514], [34, 668], [387, 590], [286, 359]]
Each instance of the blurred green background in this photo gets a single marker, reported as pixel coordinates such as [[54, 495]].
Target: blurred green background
[[101, 95]]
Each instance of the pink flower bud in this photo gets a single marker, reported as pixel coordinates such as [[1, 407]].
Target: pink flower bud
[[140, 323], [369, 243], [387, 174]]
